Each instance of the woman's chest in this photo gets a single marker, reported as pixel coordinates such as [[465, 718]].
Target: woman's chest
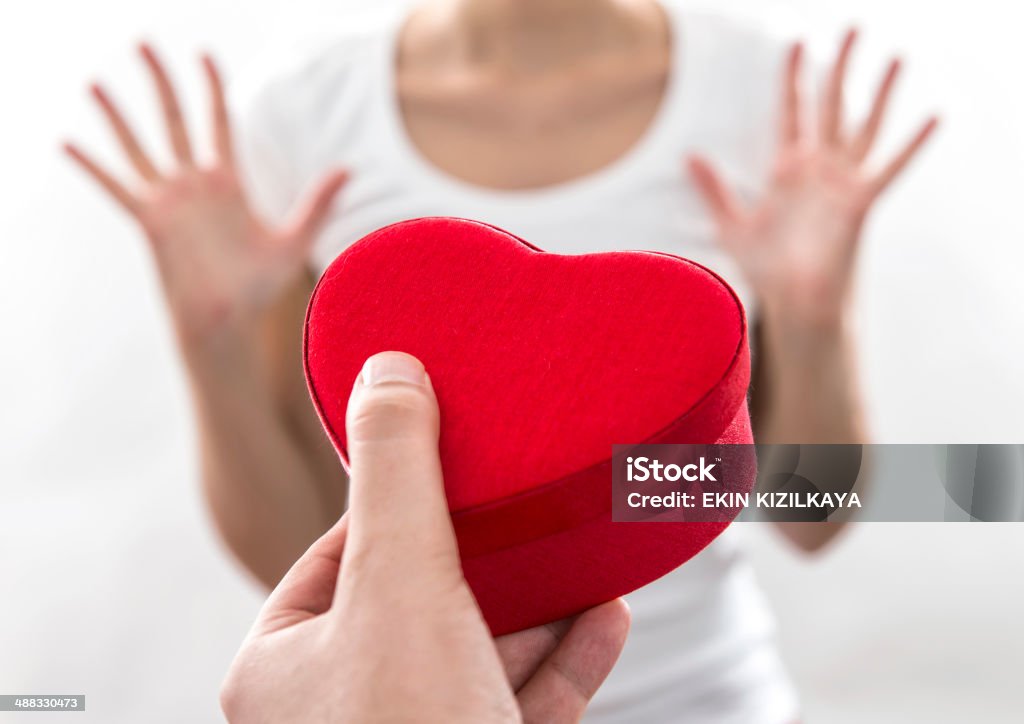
[[515, 135]]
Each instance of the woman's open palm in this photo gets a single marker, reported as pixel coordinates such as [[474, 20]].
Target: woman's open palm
[[220, 264], [796, 244]]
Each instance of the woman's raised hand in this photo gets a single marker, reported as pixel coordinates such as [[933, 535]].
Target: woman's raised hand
[[220, 264], [797, 243]]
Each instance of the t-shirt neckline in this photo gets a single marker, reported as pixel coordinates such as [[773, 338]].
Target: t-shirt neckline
[[669, 118]]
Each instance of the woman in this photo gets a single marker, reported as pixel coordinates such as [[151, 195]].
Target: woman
[[581, 125]]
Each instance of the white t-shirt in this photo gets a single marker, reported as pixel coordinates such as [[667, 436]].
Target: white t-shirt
[[702, 644]]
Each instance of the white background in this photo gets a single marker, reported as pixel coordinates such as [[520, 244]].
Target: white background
[[111, 583]]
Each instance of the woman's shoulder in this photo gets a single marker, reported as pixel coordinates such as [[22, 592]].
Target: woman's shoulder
[[737, 38], [731, 71]]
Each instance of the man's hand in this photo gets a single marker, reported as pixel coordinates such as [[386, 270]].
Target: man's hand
[[220, 264], [797, 244], [376, 622]]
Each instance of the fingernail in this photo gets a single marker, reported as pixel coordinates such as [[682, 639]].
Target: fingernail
[[392, 367]]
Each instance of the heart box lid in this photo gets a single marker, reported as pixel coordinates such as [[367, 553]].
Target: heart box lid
[[540, 362]]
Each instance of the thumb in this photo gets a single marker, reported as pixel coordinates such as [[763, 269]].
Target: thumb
[[398, 511], [312, 214], [717, 196]]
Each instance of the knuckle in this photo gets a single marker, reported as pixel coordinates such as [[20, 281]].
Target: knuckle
[[426, 566], [241, 697], [220, 178], [230, 697]]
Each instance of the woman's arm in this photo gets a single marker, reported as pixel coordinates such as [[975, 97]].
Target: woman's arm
[[797, 247], [805, 385], [236, 288], [805, 389], [271, 479]]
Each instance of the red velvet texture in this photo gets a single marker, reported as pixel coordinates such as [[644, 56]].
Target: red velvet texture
[[541, 362]]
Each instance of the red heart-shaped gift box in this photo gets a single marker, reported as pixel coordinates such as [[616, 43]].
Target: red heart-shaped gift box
[[541, 362]]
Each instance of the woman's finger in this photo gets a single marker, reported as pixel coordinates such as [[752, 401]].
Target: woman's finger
[[125, 136], [720, 200], [222, 141], [312, 215], [832, 98], [566, 681], [792, 103], [173, 117], [105, 179], [896, 166], [869, 132]]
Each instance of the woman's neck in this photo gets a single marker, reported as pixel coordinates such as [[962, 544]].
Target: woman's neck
[[523, 36]]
